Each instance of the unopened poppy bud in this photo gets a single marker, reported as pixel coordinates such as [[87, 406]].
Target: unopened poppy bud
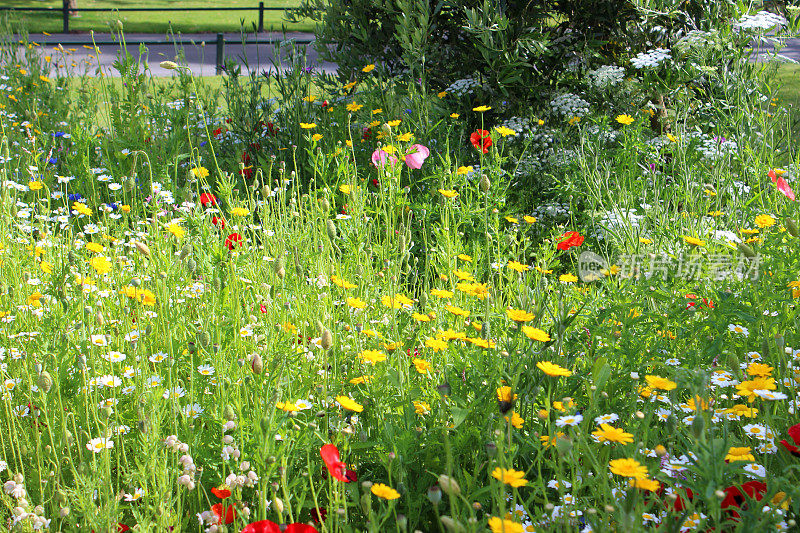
[[449, 485], [402, 522], [435, 495], [228, 413], [325, 204], [791, 227], [746, 250], [128, 183], [203, 338], [485, 183], [44, 382], [142, 247], [779, 342], [402, 244], [330, 227], [563, 445], [257, 364], [185, 251], [452, 526], [366, 503], [698, 426], [278, 505], [169, 65], [491, 450]]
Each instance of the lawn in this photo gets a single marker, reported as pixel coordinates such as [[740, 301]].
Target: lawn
[[155, 22]]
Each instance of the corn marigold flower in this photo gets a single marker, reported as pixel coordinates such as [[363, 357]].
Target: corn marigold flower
[[384, 491], [372, 356], [694, 241], [535, 334], [514, 478], [608, 433], [519, 267], [650, 485], [448, 193], [307, 125], [503, 525], [552, 369], [625, 120], [628, 468], [743, 453], [515, 420], [240, 211], [422, 366], [519, 315], [421, 408], [349, 404], [764, 221], [657, 382], [437, 345]]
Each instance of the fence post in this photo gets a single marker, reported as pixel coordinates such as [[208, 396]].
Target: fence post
[[220, 52], [65, 15], [260, 17]]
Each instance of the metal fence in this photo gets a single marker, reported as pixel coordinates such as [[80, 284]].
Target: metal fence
[[66, 11]]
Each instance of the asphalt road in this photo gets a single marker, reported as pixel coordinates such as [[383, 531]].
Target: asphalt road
[[200, 58]]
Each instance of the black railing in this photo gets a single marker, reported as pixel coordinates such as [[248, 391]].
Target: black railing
[[65, 11], [219, 42]]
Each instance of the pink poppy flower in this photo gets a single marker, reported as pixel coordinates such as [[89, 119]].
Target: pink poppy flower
[[417, 156], [379, 158]]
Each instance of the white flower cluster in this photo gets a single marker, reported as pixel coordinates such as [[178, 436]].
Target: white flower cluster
[[187, 463], [616, 222], [697, 39], [606, 76], [652, 58], [553, 210], [713, 147], [464, 86], [569, 105], [16, 489], [761, 21], [603, 135]]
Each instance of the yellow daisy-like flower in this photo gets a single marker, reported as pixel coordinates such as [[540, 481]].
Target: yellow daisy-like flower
[[608, 433], [645, 484], [568, 278], [505, 132], [516, 420], [481, 108], [353, 107], [360, 379], [35, 185], [101, 264], [628, 468], [505, 394], [95, 247], [442, 293], [421, 408], [512, 220], [356, 303], [515, 478], [519, 267], [535, 334], [479, 290], [240, 211], [764, 221], [552, 369], [657, 382], [529, 219], [349, 404], [574, 120], [405, 137], [448, 193], [200, 172], [419, 317], [462, 275], [748, 388], [457, 311], [422, 366], [339, 282], [645, 241], [759, 369], [393, 123], [740, 454], [437, 345], [503, 525], [316, 137], [308, 125], [519, 315], [465, 257], [461, 171], [82, 209], [397, 301], [625, 120], [442, 94], [310, 98], [368, 68], [384, 491], [372, 356], [694, 241], [454, 115], [176, 229]]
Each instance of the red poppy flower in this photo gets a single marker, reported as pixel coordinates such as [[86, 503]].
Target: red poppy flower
[[224, 516], [233, 240], [268, 526], [678, 504], [218, 221], [782, 185], [221, 493], [734, 497], [794, 432], [337, 468], [319, 514], [207, 199], [481, 140], [573, 238]]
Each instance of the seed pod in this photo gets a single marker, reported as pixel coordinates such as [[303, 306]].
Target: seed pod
[[401, 242], [791, 227], [325, 205], [185, 251], [449, 485], [128, 183], [191, 265], [278, 505], [327, 340], [746, 250], [331, 229], [257, 364], [228, 413], [698, 425], [44, 382], [485, 183], [203, 338], [142, 247], [279, 264], [135, 282], [451, 525]]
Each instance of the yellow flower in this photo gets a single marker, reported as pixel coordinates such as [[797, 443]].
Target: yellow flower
[[377, 111], [355, 302], [419, 317], [240, 211], [463, 276], [396, 302], [504, 394], [693, 241], [353, 107], [368, 68], [34, 298], [316, 137], [759, 369], [515, 478], [442, 94], [512, 220], [657, 382], [519, 267], [740, 454], [535, 334], [200, 172], [454, 115], [383, 491], [628, 468], [764, 221], [101, 264], [448, 193], [437, 345], [568, 278], [360, 379], [457, 311], [481, 108], [516, 420], [529, 219], [339, 282], [405, 137], [574, 120], [349, 404], [422, 366], [645, 484], [289, 407], [308, 125], [95, 247], [393, 123], [645, 241], [46, 267], [35, 185], [372, 356], [552, 369], [519, 315], [442, 293], [608, 433], [479, 290], [548, 441], [625, 120], [505, 132], [176, 230], [748, 388], [349, 86], [421, 408], [465, 257], [672, 138], [502, 525], [310, 98], [82, 209]]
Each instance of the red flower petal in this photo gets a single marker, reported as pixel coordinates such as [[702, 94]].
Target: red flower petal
[[230, 513], [268, 526], [784, 188], [221, 493], [573, 238], [233, 240], [330, 454], [794, 432]]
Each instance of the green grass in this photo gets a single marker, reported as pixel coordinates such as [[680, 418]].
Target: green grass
[[156, 22]]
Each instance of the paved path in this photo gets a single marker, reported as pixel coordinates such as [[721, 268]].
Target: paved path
[[201, 59]]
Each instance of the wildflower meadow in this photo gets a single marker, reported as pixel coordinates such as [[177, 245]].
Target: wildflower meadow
[[383, 300]]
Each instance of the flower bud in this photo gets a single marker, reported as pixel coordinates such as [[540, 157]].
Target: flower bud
[[698, 426], [142, 248], [449, 485], [485, 183], [435, 495], [327, 340], [330, 227], [228, 413], [791, 227], [746, 250], [257, 364], [169, 65], [44, 382]]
